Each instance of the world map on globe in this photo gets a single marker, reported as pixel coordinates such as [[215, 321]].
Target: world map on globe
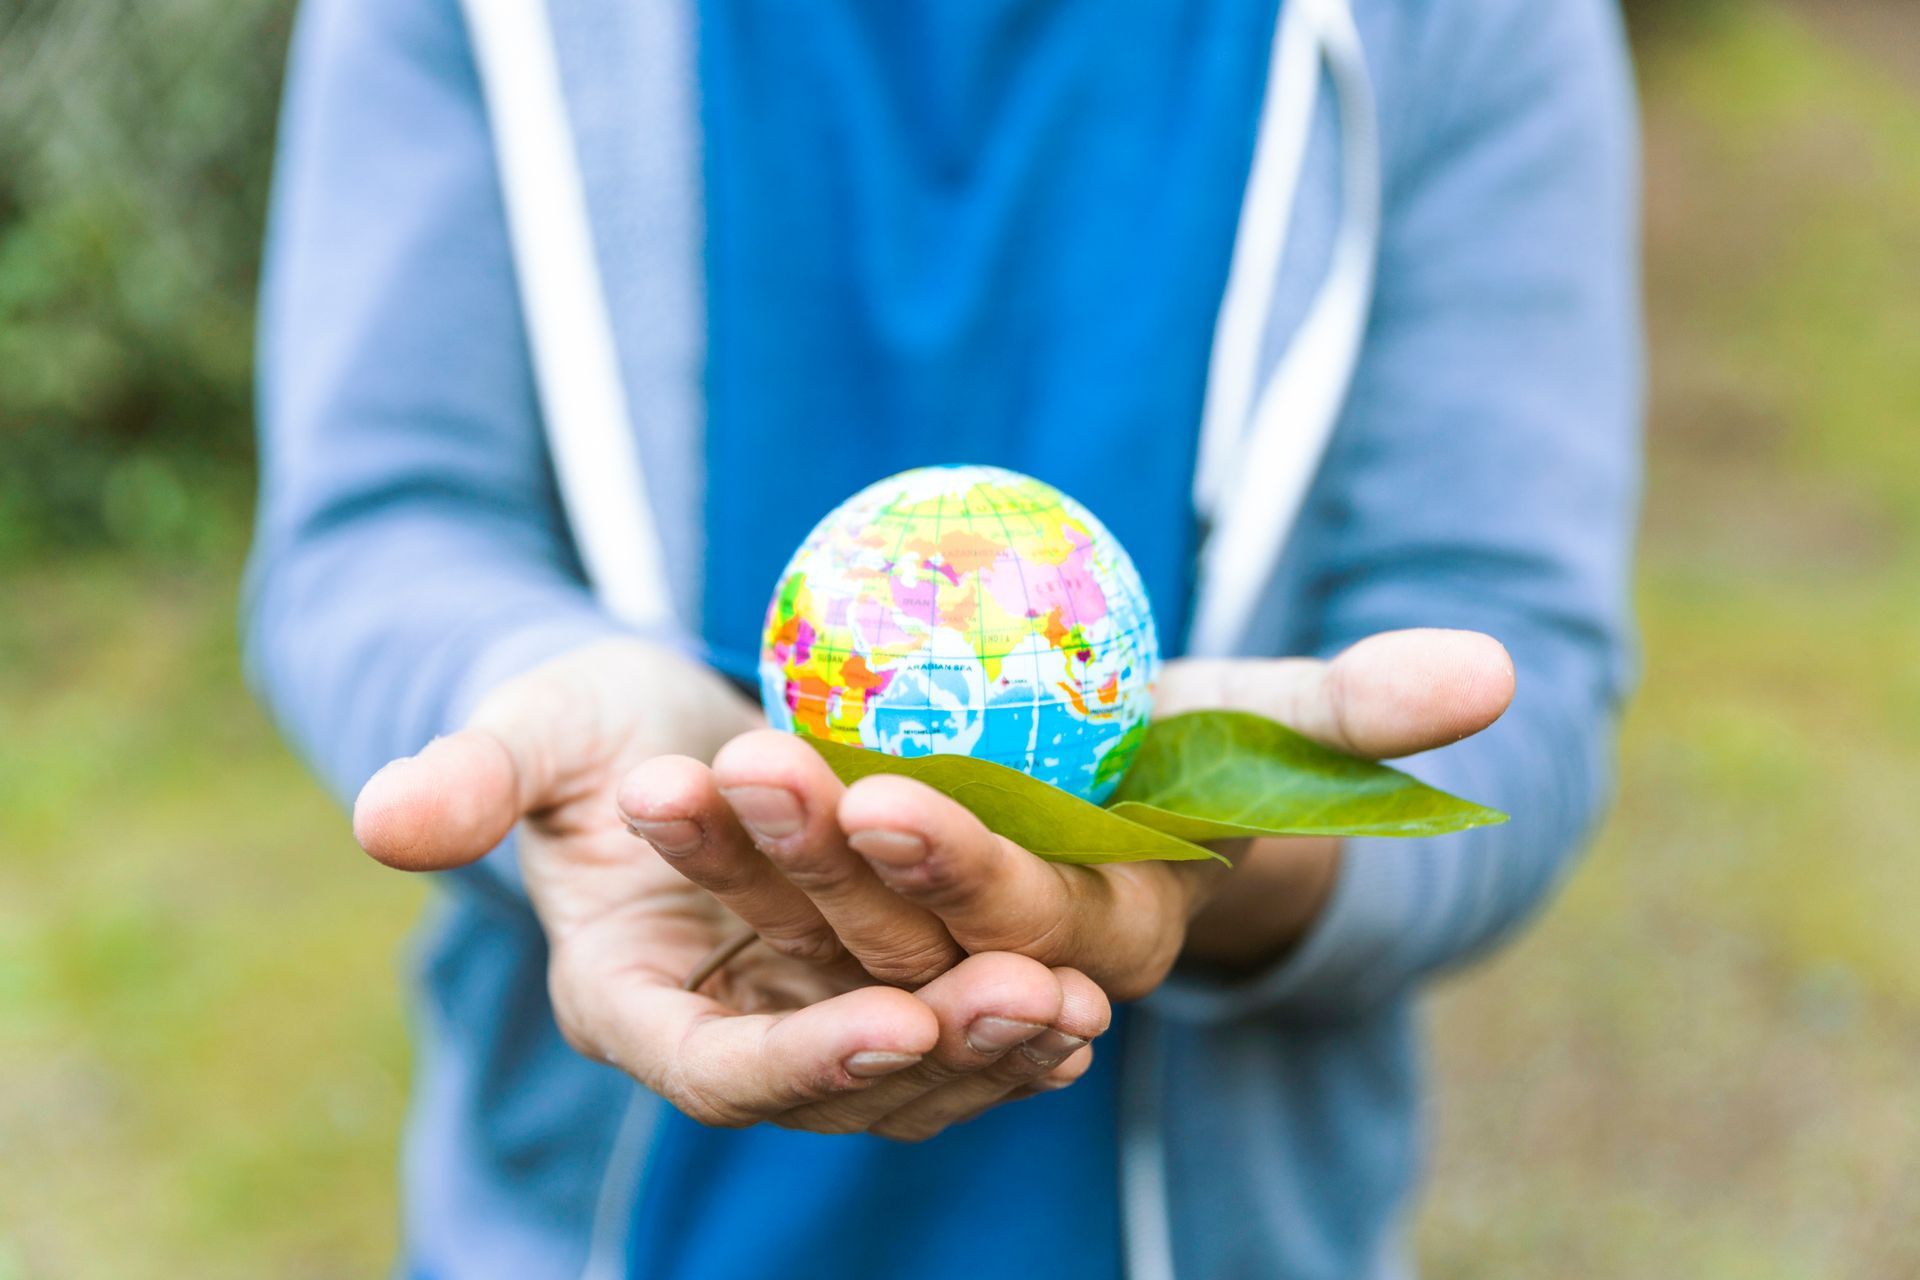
[[966, 610]]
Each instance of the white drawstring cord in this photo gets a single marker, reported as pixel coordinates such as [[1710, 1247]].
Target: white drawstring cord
[[596, 453], [1266, 215], [1254, 468]]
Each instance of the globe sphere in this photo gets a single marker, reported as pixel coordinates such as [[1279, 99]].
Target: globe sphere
[[966, 610]]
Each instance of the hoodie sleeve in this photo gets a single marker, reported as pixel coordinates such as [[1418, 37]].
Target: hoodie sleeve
[[1485, 475], [410, 550]]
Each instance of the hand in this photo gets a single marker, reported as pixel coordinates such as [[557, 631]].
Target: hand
[[806, 1041], [910, 883]]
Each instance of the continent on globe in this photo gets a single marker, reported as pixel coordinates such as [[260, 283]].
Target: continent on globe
[[971, 611]]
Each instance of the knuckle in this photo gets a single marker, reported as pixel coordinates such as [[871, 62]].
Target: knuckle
[[938, 1070], [1049, 939], [704, 1105], [706, 1116], [836, 1127], [709, 1111], [723, 873], [910, 1132], [1127, 978], [1142, 948], [1131, 982], [807, 871], [578, 1039], [941, 880], [808, 945], [912, 966], [825, 1121], [1156, 959]]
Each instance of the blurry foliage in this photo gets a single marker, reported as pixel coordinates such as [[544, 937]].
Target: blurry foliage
[[135, 146], [1700, 1065], [1660, 20], [135, 139]]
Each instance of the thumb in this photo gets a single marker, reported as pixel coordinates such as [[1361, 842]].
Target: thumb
[[445, 807], [1389, 695], [460, 796]]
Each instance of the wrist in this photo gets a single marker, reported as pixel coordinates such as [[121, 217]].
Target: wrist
[[1260, 912]]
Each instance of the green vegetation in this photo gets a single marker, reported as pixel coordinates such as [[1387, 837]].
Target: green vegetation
[[202, 1062], [1025, 810], [133, 145], [1221, 775], [1701, 1064], [1202, 775]]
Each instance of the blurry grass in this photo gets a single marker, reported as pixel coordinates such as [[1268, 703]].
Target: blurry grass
[[201, 1053], [1702, 1064]]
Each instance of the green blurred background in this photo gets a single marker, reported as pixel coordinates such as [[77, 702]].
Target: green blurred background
[[1701, 1064]]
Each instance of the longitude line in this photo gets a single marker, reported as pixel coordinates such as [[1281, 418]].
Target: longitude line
[[1026, 595]]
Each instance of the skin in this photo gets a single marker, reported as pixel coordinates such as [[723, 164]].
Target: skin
[[917, 968]]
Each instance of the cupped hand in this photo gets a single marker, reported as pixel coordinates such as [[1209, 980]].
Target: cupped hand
[[909, 883], [802, 1038]]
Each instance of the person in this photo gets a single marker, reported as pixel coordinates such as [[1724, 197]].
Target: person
[[576, 317]]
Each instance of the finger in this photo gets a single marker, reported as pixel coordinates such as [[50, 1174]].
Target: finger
[[535, 744], [1084, 1014], [673, 803], [732, 1071], [523, 749], [986, 1006], [1121, 924], [1067, 1073], [787, 798], [444, 807], [1392, 694], [729, 1069]]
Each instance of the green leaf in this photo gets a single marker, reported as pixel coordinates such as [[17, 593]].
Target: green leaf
[[1214, 775], [1034, 815], [1205, 775]]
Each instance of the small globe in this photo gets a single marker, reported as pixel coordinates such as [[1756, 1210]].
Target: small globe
[[966, 611]]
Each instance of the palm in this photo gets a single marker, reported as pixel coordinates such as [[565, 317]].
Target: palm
[[615, 911], [798, 1037], [620, 913]]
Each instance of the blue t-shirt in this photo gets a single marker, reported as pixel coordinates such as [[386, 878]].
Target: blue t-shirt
[[987, 232]]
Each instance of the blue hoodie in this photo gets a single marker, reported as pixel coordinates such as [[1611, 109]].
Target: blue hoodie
[[412, 551]]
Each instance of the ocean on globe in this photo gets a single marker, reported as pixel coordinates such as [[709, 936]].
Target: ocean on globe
[[968, 611]]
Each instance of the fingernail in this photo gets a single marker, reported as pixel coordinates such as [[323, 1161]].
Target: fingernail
[[997, 1035], [769, 813], [1050, 1048], [879, 1062], [892, 848], [675, 837]]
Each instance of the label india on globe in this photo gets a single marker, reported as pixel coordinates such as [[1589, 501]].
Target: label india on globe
[[966, 611]]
